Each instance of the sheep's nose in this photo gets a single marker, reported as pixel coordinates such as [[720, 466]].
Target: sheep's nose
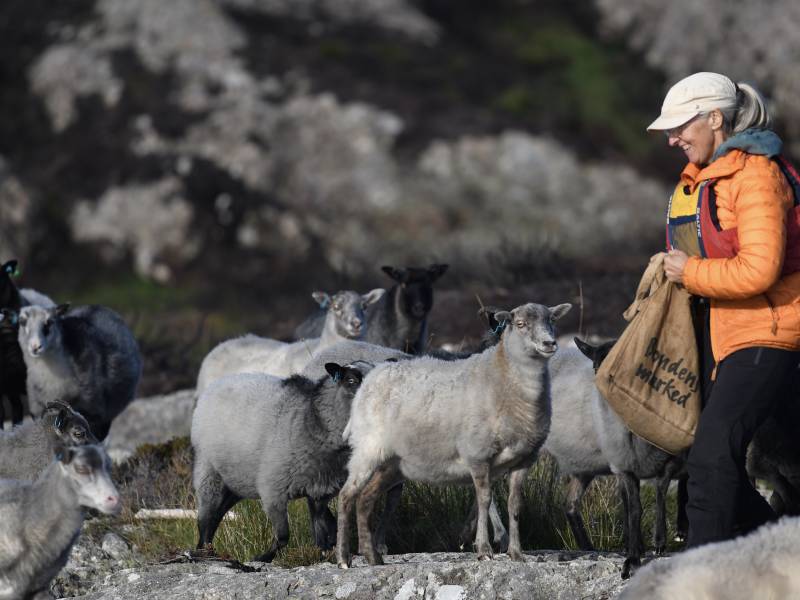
[[356, 323], [549, 344]]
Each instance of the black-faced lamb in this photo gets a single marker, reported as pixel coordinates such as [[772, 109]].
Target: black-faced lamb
[[760, 565], [259, 436], [12, 365], [465, 421], [85, 356], [630, 458], [40, 520], [345, 319], [400, 319], [28, 449]]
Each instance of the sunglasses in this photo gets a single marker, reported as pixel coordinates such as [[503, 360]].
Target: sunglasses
[[676, 131]]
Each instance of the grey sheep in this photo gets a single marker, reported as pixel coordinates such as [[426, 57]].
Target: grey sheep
[[85, 356], [345, 319], [400, 319], [28, 449], [40, 520], [760, 565], [465, 421], [259, 436]]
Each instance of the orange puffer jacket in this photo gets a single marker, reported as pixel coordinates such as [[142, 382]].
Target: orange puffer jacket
[[751, 304]]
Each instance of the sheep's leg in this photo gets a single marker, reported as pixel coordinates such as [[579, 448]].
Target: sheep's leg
[[483, 496], [275, 509], [384, 478], [17, 410], [662, 487], [516, 480], [470, 527], [214, 499], [323, 523], [682, 519], [633, 516], [392, 502], [361, 469], [576, 488], [500, 539]]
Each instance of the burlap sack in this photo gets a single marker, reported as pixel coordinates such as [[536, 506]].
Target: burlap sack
[[651, 377]]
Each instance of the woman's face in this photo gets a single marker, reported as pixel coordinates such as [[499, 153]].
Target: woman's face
[[698, 138]]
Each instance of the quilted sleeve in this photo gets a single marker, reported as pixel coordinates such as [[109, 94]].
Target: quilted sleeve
[[760, 200]]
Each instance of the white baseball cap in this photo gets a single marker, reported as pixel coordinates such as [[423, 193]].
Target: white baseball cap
[[693, 95]]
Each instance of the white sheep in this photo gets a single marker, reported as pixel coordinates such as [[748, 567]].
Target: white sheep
[[760, 565], [436, 421], [345, 319]]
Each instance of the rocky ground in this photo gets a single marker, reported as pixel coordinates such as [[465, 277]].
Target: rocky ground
[[94, 573]]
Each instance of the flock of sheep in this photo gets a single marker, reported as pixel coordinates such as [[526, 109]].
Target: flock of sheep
[[355, 407]]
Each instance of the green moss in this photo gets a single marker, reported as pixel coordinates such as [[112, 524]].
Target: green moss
[[131, 293]]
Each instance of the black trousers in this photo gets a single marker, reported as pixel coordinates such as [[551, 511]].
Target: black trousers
[[749, 385]]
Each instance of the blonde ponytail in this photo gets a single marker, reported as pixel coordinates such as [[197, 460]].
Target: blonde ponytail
[[751, 109]]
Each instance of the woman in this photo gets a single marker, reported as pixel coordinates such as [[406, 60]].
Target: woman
[[733, 245]]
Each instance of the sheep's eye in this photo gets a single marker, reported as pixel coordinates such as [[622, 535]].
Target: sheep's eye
[[351, 381], [82, 470], [79, 433], [520, 324]]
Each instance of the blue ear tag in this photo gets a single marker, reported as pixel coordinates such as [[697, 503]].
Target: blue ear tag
[[58, 422], [14, 318], [60, 456], [336, 377], [499, 329], [325, 303]]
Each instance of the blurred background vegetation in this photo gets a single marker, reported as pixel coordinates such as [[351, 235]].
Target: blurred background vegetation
[[203, 165]]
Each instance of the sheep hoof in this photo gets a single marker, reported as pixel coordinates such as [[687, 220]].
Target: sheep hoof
[[344, 565], [516, 555], [630, 566], [660, 549], [485, 556], [375, 560]]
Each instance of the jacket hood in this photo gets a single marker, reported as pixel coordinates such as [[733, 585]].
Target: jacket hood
[[752, 141]]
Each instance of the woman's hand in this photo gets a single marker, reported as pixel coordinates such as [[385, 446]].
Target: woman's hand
[[674, 263]]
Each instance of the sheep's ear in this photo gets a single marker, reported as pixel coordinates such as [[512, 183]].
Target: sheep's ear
[[323, 299], [560, 310], [587, 349], [335, 370], [10, 268], [502, 317], [64, 454], [490, 314], [399, 275], [61, 309], [373, 296], [436, 271]]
